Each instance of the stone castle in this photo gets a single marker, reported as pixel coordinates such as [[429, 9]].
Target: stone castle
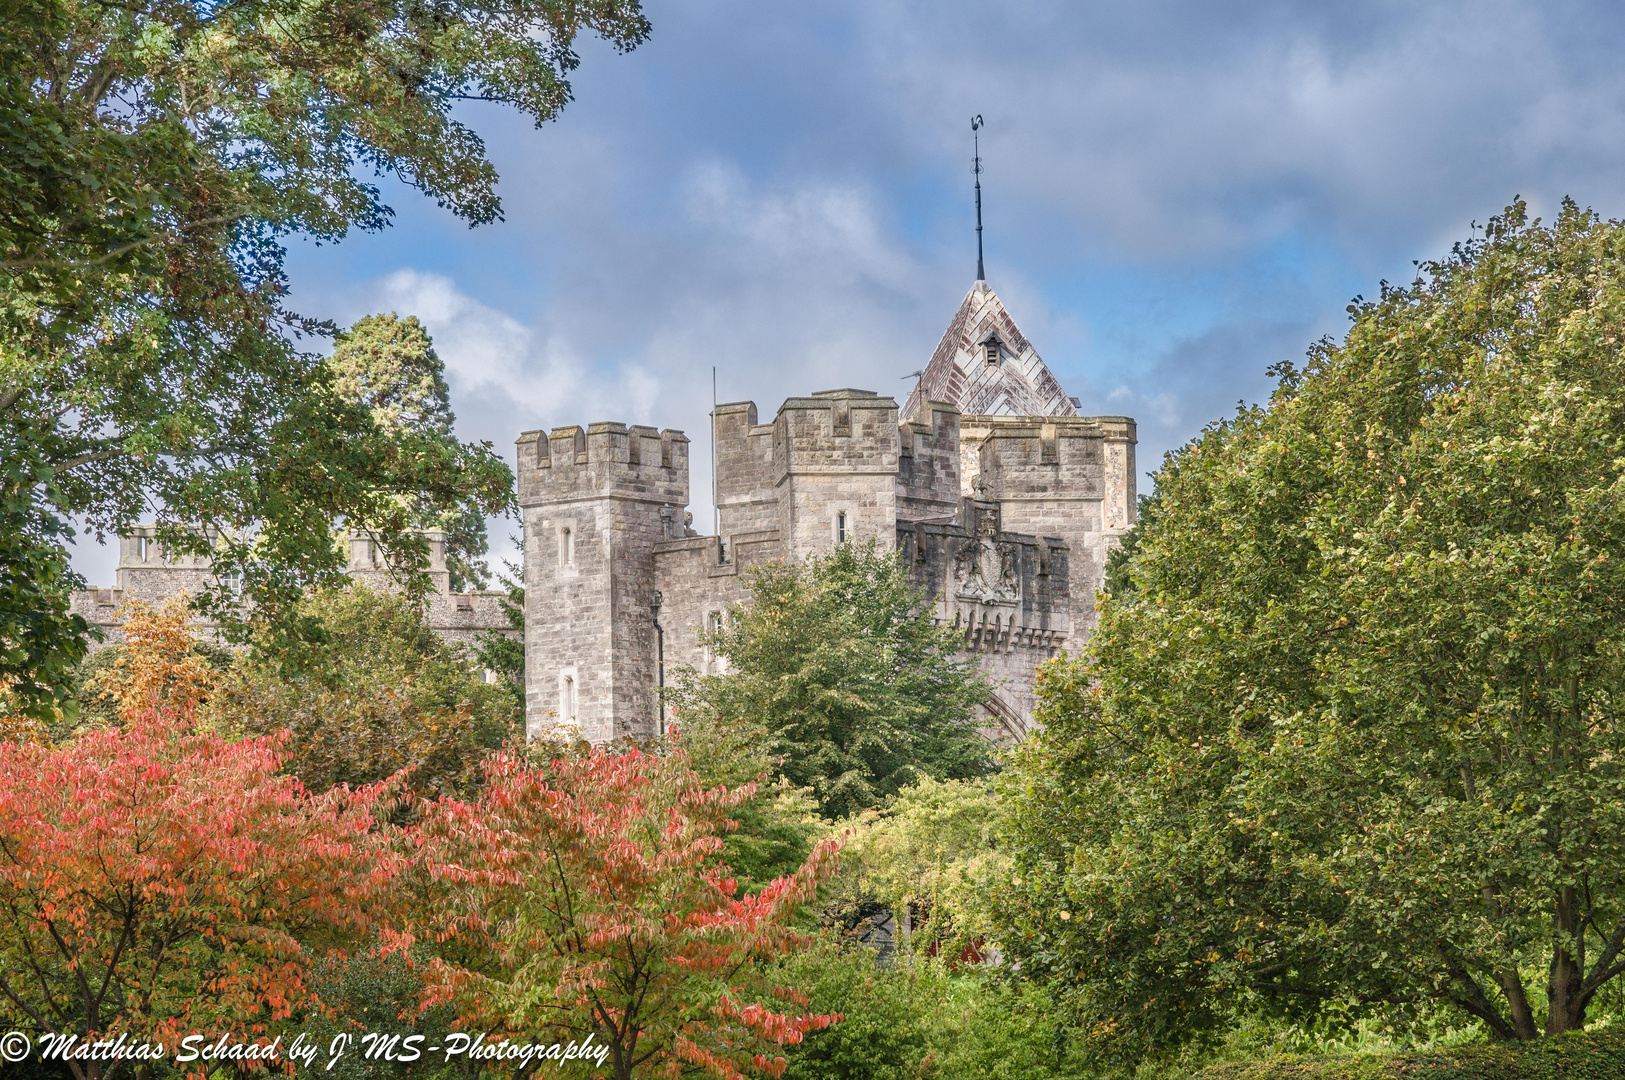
[[1002, 500]]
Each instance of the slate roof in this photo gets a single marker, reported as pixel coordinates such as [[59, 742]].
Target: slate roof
[[959, 373]]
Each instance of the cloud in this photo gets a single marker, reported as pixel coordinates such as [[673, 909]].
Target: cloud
[[1178, 193]]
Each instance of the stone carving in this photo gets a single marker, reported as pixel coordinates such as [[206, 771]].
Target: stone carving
[[984, 570]]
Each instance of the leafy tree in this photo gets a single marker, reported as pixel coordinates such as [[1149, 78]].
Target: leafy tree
[[590, 895], [836, 662], [388, 365], [929, 856], [915, 1018], [159, 880], [383, 693], [1356, 731], [162, 151]]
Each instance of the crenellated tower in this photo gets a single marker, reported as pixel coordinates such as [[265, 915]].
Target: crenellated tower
[[595, 502]]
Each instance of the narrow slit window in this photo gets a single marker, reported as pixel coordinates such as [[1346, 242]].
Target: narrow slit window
[[840, 527], [567, 699], [567, 547], [141, 543]]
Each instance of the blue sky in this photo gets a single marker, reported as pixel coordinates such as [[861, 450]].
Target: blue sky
[[1177, 195]]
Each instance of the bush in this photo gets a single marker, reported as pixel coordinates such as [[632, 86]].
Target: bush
[[1598, 1055], [918, 1019]]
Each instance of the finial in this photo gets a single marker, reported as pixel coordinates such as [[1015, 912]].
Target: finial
[[975, 127]]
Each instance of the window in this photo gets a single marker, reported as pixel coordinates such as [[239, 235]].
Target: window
[[141, 545], [567, 546], [991, 350], [232, 582], [840, 527], [713, 625], [567, 699]]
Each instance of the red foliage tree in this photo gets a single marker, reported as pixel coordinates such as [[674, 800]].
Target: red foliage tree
[[161, 881], [587, 897]]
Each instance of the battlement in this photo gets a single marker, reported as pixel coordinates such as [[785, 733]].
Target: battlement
[[368, 563], [1024, 457], [928, 463], [744, 469], [603, 460], [853, 431]]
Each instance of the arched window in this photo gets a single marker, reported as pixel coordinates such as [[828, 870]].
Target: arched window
[[567, 546]]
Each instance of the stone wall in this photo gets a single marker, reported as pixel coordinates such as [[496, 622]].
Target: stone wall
[[835, 460], [595, 502], [149, 573], [1004, 520]]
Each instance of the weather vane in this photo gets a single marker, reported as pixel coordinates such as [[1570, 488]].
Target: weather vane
[[975, 127]]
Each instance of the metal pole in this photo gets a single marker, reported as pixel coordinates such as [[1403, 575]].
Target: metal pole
[[660, 653], [975, 127]]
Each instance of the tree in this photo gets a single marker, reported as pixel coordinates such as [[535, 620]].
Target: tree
[[388, 365], [160, 880], [147, 359], [1356, 732], [836, 661], [585, 898], [382, 693], [930, 858]]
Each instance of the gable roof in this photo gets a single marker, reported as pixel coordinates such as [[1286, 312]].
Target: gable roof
[[959, 374]]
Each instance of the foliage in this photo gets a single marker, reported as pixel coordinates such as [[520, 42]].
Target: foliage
[[373, 990], [1575, 1056], [98, 707], [1116, 579], [154, 155], [836, 662], [503, 654], [388, 365], [40, 639], [384, 692], [916, 1020], [1356, 732], [159, 880], [931, 853], [588, 898]]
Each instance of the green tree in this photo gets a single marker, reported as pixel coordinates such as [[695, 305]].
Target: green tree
[[836, 662], [383, 692], [1356, 732], [154, 156], [388, 365]]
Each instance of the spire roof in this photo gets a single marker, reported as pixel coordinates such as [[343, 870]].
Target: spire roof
[[1017, 384]]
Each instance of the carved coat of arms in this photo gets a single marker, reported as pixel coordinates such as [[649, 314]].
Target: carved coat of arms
[[984, 569]]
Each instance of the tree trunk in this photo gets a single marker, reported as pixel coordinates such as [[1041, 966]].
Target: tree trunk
[[1566, 1000], [1521, 1015]]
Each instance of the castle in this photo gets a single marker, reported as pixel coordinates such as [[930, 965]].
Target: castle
[[1002, 500], [149, 572]]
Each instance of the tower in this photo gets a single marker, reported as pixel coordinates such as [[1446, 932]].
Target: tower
[[595, 501]]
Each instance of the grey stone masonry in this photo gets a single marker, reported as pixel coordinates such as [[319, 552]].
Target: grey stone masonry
[[1001, 499], [153, 575], [595, 502]]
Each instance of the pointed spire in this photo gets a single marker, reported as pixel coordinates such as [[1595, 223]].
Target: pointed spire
[[975, 127], [984, 365]]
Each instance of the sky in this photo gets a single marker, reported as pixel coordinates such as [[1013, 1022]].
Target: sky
[[1176, 196]]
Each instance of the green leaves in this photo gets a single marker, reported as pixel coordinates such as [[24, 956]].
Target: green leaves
[[152, 158], [836, 659], [1357, 732]]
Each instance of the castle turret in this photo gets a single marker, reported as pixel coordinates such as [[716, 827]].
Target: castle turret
[[595, 503], [1068, 477], [835, 470]]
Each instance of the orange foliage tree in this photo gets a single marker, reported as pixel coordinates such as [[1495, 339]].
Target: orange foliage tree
[[158, 668], [159, 880], [587, 898]]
